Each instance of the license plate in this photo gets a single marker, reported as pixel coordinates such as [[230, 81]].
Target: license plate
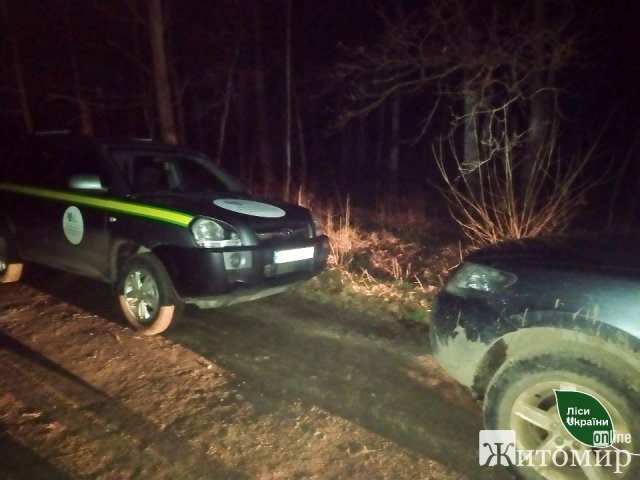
[[293, 255]]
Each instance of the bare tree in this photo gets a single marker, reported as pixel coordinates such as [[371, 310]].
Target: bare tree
[[226, 103], [17, 67], [86, 123], [497, 206], [164, 105], [288, 95], [304, 162], [486, 66], [459, 57], [245, 167], [262, 131]]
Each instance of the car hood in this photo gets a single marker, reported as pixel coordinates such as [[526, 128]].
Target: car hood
[[235, 209], [608, 251]]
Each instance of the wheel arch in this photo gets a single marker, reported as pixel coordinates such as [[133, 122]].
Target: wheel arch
[[614, 347], [121, 252], [9, 228], [6, 222]]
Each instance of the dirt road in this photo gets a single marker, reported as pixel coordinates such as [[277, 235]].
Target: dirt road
[[286, 388]]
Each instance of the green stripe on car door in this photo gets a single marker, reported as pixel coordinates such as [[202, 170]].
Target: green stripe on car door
[[129, 208]]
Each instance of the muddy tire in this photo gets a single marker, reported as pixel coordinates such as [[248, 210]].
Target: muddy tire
[[10, 271], [146, 295], [520, 397]]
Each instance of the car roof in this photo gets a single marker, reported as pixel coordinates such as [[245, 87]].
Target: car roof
[[62, 138]]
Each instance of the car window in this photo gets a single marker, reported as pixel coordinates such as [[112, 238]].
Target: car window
[[81, 159], [157, 171]]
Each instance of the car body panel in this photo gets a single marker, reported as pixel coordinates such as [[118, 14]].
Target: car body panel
[[583, 289], [92, 232]]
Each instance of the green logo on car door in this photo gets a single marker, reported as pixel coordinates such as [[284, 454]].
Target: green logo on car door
[[73, 225]]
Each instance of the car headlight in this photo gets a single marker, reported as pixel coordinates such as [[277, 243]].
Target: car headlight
[[209, 233], [474, 279]]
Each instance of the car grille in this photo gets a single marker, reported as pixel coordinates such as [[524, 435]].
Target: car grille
[[284, 234]]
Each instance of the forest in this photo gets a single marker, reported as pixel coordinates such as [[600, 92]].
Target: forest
[[520, 115]]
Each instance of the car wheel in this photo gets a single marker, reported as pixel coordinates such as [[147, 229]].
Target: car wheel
[[9, 272], [146, 295], [521, 398]]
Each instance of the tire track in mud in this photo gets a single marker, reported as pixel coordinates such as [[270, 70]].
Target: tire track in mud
[[73, 406], [99, 434], [371, 372], [281, 388]]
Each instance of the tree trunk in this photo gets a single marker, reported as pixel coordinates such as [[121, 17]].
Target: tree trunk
[[302, 148], [393, 170], [539, 109], [347, 157], [17, 68], [362, 145], [471, 162], [379, 148], [242, 135], [287, 141], [142, 88], [226, 102], [86, 123], [161, 75], [262, 131], [394, 154]]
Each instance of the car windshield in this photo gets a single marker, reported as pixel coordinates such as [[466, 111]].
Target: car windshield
[[156, 171]]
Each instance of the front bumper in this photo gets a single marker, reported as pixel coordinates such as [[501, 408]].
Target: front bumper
[[212, 277], [462, 331]]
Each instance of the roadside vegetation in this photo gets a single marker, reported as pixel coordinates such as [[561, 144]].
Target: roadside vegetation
[[391, 257]]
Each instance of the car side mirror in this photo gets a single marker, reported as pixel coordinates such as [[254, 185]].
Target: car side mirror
[[87, 183]]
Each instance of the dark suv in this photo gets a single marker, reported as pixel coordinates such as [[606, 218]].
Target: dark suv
[[520, 319], [163, 224]]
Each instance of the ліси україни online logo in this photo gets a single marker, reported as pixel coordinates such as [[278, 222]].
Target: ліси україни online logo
[[584, 437]]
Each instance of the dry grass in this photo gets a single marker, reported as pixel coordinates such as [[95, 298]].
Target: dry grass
[[391, 254]]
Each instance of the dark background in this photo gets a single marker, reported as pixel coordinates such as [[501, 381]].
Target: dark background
[[94, 56]]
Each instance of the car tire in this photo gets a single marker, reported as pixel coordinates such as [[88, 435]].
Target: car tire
[[520, 397], [146, 295], [9, 271]]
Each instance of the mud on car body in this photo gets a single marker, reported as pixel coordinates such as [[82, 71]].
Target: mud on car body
[[520, 319], [162, 224]]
